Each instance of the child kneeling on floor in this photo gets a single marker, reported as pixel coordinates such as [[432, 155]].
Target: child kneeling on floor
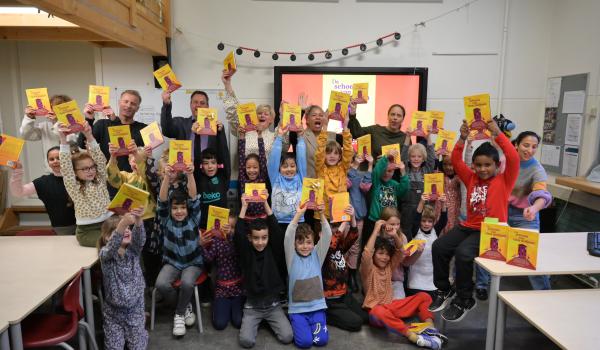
[[379, 258], [260, 249]]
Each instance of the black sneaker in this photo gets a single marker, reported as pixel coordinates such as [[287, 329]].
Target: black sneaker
[[458, 309], [481, 294], [441, 300]]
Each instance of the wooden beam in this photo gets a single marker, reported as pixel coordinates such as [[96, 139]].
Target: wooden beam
[[32, 20], [110, 19], [49, 34]]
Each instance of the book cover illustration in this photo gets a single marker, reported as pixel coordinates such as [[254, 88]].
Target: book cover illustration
[[38, 99], [152, 136], [255, 192], [69, 114], [292, 117], [247, 116], [207, 121], [522, 248], [229, 63], [337, 204], [436, 121], [493, 243], [393, 147], [166, 78], [444, 144], [478, 114], [217, 217], [180, 154], [312, 192], [10, 150], [360, 92], [99, 97], [364, 145], [434, 185], [128, 198], [419, 123], [419, 327], [120, 136], [338, 105]]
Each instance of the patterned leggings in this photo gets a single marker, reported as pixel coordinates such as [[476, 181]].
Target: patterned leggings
[[125, 325]]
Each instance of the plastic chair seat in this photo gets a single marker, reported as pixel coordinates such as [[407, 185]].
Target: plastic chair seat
[[47, 329], [36, 232], [201, 279]]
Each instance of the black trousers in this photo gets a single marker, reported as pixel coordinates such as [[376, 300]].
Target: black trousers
[[346, 313], [463, 244]]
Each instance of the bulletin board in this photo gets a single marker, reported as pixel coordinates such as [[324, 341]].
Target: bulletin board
[[564, 118]]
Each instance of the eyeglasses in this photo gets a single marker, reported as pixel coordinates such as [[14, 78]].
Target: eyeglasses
[[88, 169]]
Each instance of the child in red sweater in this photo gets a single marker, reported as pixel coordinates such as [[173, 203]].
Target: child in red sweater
[[487, 196]]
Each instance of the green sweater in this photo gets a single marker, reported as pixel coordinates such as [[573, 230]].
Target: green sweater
[[385, 193], [380, 136]]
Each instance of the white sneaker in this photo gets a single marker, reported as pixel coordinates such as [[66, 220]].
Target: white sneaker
[[178, 326], [190, 317]]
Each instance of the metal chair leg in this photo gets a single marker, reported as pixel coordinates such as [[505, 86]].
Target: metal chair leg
[[152, 308], [88, 330], [198, 310]]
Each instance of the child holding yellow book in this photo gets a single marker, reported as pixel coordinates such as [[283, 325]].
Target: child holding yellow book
[[332, 163], [84, 176], [252, 169]]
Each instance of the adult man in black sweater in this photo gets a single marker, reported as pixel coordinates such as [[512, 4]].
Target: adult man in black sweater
[[129, 103]]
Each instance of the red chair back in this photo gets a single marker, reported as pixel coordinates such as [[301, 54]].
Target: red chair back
[[71, 302], [36, 232]]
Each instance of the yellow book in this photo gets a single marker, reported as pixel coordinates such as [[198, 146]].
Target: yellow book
[[69, 114], [436, 119], [419, 327], [99, 97], [152, 136], [217, 217], [522, 248], [247, 116], [292, 117], [434, 185], [10, 150], [120, 136], [337, 204], [180, 154], [393, 147], [493, 243], [255, 192], [478, 114], [39, 100], [419, 123], [312, 192], [364, 145], [360, 92], [207, 121], [445, 142], [128, 197], [411, 247], [229, 62], [166, 78], [338, 105]]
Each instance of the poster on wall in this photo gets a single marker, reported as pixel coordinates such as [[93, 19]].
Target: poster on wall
[[549, 134], [570, 161], [553, 92], [573, 129]]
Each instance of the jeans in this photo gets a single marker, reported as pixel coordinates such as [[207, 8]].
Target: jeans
[[227, 310], [169, 274], [516, 219]]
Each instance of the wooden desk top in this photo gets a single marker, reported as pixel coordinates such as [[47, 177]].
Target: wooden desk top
[[571, 320], [558, 254], [32, 269], [579, 183]]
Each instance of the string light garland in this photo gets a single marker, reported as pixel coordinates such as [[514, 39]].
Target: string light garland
[[328, 54]]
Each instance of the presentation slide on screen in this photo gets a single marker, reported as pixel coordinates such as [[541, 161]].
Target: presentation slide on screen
[[384, 90]]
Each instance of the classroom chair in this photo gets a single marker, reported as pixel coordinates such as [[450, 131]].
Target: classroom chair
[[44, 330], [36, 232], [199, 281]]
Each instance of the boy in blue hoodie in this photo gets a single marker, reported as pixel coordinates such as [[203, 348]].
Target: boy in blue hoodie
[[286, 173]]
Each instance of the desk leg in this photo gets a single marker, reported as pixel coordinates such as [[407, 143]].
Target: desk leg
[[493, 305], [5, 343], [16, 337], [500, 325], [89, 306]]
